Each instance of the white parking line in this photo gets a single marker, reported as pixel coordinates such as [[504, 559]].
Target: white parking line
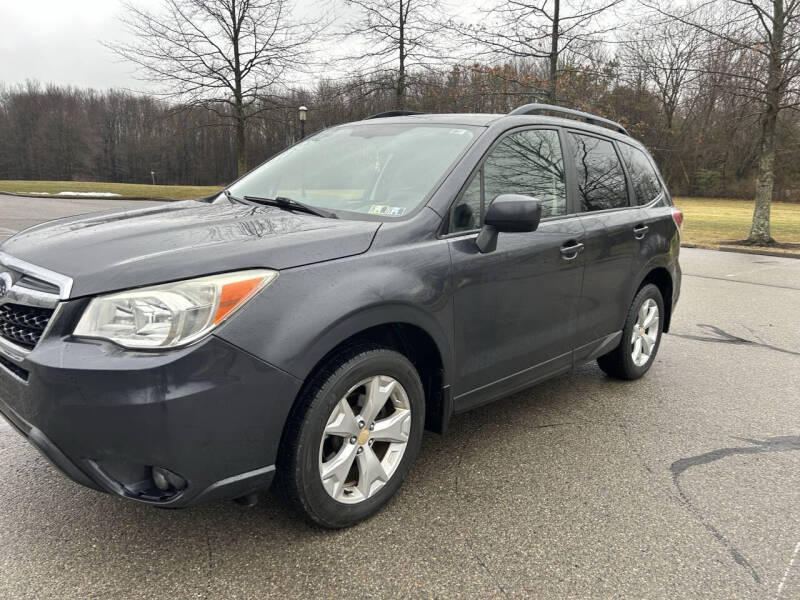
[[788, 569]]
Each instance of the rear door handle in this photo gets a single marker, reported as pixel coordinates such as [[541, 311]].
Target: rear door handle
[[640, 231], [571, 252]]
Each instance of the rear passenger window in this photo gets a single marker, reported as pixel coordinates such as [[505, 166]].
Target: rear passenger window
[[646, 185], [526, 162], [601, 180]]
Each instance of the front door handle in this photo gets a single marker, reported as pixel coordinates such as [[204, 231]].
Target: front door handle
[[640, 231], [571, 251]]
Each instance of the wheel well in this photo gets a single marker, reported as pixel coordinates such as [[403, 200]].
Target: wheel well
[[417, 346], [661, 278]]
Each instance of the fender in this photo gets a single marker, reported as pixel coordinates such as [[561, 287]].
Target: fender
[[660, 261], [296, 329], [365, 318]]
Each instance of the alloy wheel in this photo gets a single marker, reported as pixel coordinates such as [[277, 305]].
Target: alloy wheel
[[364, 439], [645, 333]]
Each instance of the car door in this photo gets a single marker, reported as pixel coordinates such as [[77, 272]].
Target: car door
[[653, 225], [515, 306], [611, 227]]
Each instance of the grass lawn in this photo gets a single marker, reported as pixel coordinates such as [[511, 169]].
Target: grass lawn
[[710, 220], [131, 190]]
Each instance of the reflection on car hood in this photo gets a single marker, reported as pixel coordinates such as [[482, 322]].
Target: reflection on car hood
[[122, 249]]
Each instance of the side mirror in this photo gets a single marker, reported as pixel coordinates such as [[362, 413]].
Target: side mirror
[[509, 213]]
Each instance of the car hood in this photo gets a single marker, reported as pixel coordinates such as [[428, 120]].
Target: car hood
[[115, 250]]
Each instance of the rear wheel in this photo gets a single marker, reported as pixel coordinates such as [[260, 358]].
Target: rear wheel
[[353, 436], [641, 337]]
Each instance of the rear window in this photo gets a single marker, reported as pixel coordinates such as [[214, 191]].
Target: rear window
[[646, 185], [601, 180]]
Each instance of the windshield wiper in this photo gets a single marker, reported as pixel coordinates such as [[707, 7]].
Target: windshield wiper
[[290, 204]]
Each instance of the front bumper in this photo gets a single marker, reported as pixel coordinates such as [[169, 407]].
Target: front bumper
[[104, 416]]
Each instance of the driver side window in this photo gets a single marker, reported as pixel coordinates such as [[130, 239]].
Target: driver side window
[[526, 162]]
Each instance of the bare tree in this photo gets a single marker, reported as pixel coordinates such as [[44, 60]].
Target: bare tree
[[769, 32], [224, 55], [542, 29], [398, 36], [667, 54], [665, 57]]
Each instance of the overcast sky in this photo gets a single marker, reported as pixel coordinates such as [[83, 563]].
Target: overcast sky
[[58, 41]]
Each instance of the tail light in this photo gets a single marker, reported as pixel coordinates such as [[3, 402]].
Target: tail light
[[677, 216]]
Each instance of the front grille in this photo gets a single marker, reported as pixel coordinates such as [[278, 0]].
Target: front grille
[[23, 325]]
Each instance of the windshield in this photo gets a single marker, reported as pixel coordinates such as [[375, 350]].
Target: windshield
[[379, 169]]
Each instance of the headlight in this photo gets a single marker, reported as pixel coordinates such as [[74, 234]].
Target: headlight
[[173, 314]]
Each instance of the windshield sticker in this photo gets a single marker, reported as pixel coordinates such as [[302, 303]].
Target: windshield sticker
[[458, 132], [387, 211]]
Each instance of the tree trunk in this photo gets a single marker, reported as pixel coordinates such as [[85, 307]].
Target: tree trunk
[[400, 99], [238, 108], [759, 230], [554, 53], [241, 142]]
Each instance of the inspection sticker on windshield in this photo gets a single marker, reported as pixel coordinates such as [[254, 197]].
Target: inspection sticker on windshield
[[458, 132], [387, 211]]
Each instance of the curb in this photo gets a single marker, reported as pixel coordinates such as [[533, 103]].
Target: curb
[[746, 250]]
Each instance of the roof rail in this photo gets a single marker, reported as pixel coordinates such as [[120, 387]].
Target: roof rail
[[536, 109], [394, 113]]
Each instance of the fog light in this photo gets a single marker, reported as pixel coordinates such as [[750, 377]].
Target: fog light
[[166, 480]]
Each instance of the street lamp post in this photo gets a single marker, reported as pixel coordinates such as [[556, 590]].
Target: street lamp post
[[303, 110], [153, 176]]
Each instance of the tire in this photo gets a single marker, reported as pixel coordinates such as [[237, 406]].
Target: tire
[[621, 362], [321, 434]]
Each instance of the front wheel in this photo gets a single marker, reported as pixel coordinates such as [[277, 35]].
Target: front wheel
[[353, 436], [641, 337]]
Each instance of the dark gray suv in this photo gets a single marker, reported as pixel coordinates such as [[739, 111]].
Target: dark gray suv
[[308, 323]]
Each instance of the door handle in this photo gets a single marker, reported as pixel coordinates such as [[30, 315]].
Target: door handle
[[571, 252], [640, 231]]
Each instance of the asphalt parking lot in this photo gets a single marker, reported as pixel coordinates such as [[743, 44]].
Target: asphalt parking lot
[[683, 484]]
